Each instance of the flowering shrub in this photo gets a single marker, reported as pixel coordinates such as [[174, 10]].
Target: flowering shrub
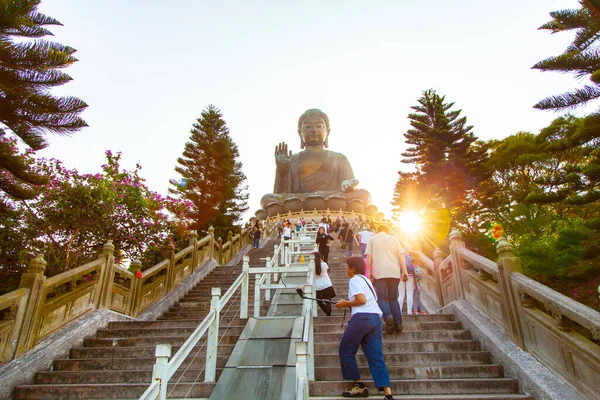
[[75, 214]]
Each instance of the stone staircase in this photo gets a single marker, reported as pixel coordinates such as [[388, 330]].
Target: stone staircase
[[117, 363], [433, 358]]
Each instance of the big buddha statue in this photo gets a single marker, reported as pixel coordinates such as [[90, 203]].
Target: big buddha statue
[[314, 178]]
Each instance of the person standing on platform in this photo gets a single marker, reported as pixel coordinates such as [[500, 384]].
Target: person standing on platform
[[363, 330], [323, 241], [385, 256]]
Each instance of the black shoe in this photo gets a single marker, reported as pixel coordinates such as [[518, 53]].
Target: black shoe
[[389, 325], [398, 328], [388, 397], [358, 390]]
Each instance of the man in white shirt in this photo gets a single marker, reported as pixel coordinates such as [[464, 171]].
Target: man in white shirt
[[363, 238], [385, 255], [364, 330]]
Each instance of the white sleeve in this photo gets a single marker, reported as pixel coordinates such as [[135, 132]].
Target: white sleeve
[[355, 288], [324, 267]]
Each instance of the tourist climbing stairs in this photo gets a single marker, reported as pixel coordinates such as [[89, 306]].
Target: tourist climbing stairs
[[117, 362], [433, 358]]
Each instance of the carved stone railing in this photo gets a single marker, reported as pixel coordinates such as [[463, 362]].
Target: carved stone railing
[[561, 333], [43, 305]]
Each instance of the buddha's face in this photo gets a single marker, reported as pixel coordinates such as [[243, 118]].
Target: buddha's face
[[313, 131]]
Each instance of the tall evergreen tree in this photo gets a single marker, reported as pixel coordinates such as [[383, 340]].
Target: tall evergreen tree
[[211, 175], [445, 154], [29, 69]]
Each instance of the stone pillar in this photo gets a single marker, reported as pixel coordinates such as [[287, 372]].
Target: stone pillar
[[136, 288], [169, 254], [456, 243], [106, 276], [438, 258], [211, 252], [230, 240], [507, 264], [193, 241], [33, 279], [220, 255]]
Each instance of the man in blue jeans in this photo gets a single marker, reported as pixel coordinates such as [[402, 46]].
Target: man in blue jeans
[[385, 255], [364, 330]]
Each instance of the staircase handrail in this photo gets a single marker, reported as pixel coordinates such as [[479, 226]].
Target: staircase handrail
[[562, 305]]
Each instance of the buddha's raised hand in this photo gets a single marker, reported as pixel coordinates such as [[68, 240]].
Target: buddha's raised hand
[[282, 157]]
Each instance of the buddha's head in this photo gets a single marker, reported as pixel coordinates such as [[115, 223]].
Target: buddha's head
[[313, 128]]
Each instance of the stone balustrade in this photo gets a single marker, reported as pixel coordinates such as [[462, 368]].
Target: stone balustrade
[[43, 305], [561, 333]]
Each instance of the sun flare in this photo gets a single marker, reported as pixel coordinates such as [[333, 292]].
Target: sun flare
[[409, 222]]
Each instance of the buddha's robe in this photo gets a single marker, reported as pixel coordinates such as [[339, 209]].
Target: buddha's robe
[[314, 172]]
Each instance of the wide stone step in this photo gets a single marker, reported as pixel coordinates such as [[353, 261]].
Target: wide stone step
[[416, 359], [152, 341], [426, 386], [407, 326], [151, 332], [93, 377], [128, 364], [419, 372], [106, 391], [181, 313], [136, 352], [504, 396], [337, 313], [405, 336], [408, 347], [182, 323]]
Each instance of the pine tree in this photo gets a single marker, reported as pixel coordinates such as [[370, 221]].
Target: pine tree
[[211, 175], [447, 158], [29, 69]]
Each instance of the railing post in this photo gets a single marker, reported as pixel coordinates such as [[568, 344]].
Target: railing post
[[268, 279], [313, 287], [220, 255], [438, 258], [194, 242], [169, 254], [276, 265], [33, 279], [245, 287], [106, 275], [257, 278], [136, 284], [162, 354], [507, 264], [302, 368], [230, 251], [211, 251], [210, 373], [456, 243]]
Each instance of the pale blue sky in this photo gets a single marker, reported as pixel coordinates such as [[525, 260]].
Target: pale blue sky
[[148, 68]]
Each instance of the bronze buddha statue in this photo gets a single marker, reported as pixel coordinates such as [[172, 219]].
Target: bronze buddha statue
[[314, 178]]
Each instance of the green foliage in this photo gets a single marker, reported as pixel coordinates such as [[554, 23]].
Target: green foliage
[[211, 176], [75, 214], [582, 56], [29, 69]]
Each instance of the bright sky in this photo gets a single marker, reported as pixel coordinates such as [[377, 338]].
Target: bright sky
[[148, 68]]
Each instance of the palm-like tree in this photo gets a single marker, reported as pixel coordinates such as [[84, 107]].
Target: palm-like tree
[[582, 56], [29, 69]]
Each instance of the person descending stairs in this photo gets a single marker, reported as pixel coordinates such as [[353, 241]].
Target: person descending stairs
[[117, 362], [433, 357]]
